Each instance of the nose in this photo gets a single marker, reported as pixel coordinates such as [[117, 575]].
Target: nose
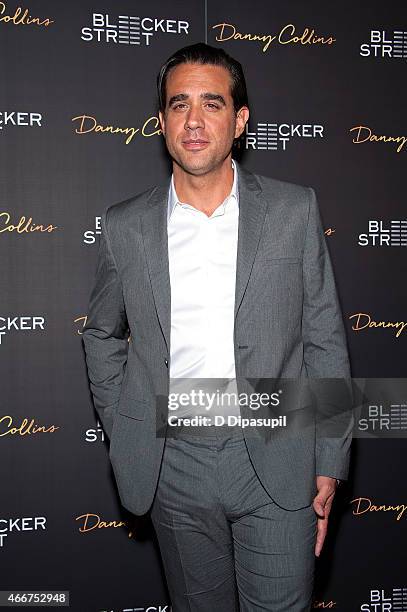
[[194, 119]]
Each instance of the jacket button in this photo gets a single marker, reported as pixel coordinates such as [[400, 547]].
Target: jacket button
[[166, 362]]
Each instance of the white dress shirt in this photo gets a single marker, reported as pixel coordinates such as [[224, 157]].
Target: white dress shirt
[[202, 254]]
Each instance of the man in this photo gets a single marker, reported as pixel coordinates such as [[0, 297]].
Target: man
[[218, 273]]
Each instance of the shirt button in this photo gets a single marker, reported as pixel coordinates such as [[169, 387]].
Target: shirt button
[[166, 362]]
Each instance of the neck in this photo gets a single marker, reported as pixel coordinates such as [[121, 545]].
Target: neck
[[205, 192]]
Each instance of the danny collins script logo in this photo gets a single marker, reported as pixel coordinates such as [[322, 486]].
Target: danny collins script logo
[[385, 44], [323, 604], [86, 124], [363, 320], [81, 322], [90, 522], [23, 226], [25, 427], [286, 35], [130, 30], [21, 17], [365, 504], [363, 134]]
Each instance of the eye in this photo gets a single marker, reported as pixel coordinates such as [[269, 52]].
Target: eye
[[176, 106], [212, 105]]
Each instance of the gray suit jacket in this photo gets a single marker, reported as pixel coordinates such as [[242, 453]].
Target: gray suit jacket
[[288, 324]]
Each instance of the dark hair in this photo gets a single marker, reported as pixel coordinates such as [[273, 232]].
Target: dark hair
[[202, 53]]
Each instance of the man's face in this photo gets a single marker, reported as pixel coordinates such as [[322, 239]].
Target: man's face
[[199, 122]]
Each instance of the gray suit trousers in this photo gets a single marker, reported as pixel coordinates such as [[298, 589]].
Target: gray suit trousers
[[225, 544]]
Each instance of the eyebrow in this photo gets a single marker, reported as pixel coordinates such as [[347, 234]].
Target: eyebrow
[[204, 96]]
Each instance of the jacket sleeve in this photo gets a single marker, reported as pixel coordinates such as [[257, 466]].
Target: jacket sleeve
[[325, 352], [105, 334]]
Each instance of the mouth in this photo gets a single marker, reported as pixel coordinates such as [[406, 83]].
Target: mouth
[[194, 145]]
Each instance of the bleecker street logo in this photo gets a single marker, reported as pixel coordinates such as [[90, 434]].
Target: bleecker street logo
[[273, 136], [89, 236], [20, 324], [16, 526], [385, 44], [20, 119], [382, 234], [95, 434], [287, 35], [380, 601], [129, 29], [383, 418]]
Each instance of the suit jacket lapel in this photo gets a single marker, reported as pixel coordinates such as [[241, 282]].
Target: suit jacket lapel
[[252, 209], [155, 236]]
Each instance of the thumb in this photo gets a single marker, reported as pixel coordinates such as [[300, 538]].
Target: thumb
[[319, 506]]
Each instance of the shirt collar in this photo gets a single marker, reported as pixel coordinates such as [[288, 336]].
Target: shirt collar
[[173, 198]]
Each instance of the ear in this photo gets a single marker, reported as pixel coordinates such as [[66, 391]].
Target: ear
[[242, 118], [162, 122]]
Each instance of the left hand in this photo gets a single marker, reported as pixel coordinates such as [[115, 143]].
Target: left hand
[[322, 503]]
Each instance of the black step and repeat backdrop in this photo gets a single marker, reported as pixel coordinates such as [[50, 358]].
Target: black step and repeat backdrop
[[78, 132]]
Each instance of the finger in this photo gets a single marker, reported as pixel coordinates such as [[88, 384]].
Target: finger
[[322, 527]]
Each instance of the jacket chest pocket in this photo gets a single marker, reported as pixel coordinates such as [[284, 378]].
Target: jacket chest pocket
[[277, 277]]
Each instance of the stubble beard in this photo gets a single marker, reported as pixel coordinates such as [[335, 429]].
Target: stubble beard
[[199, 166]]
